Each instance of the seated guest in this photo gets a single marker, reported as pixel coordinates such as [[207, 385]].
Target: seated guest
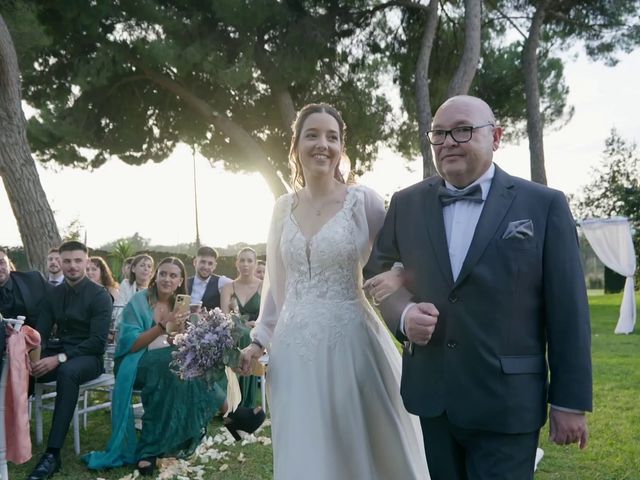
[[21, 293], [81, 311], [261, 267], [126, 268], [242, 296], [99, 272], [205, 286], [176, 412], [140, 274], [54, 269]]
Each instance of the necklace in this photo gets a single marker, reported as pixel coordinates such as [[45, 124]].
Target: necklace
[[318, 210]]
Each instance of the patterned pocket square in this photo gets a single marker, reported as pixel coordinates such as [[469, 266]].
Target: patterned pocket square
[[519, 229]]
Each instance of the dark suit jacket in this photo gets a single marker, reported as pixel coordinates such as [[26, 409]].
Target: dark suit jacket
[[33, 288], [211, 296], [518, 306]]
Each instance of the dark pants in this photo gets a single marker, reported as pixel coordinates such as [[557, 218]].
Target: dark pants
[[68, 377], [455, 453]]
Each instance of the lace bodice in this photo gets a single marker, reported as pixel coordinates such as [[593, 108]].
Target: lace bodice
[[307, 276], [326, 266]]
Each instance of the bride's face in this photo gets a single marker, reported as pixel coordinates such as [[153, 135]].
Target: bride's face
[[319, 146]]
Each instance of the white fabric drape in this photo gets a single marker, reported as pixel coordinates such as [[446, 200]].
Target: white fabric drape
[[611, 240]]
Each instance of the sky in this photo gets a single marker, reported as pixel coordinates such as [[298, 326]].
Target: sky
[[113, 201]]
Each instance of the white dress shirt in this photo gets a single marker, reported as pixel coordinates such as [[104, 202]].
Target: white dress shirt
[[56, 280], [199, 286], [461, 219]]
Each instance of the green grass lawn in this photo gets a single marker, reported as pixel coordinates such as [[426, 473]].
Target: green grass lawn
[[613, 452]]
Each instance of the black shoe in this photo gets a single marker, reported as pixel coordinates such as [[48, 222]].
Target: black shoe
[[147, 469], [244, 419], [48, 465]]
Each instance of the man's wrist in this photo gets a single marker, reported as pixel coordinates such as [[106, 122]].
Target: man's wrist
[[567, 410], [402, 317]]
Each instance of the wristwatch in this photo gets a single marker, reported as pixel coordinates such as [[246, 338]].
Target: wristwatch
[[62, 357]]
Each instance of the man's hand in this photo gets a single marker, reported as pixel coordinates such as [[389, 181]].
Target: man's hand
[[420, 322], [566, 428], [44, 365]]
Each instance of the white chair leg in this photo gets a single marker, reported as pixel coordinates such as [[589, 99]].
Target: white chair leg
[[86, 400], [37, 396], [76, 431]]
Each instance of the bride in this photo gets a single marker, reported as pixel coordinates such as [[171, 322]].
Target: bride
[[334, 371]]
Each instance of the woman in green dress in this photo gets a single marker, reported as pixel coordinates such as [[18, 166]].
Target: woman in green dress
[[176, 412], [243, 296]]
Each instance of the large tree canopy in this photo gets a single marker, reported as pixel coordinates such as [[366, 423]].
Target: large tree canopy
[[605, 28], [133, 79]]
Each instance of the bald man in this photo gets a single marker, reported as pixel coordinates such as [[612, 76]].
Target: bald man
[[493, 314]]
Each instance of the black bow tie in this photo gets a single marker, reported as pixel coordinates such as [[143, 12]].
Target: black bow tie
[[472, 194]]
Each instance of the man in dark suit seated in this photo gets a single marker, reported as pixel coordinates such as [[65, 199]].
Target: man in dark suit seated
[[205, 286], [21, 293], [81, 312]]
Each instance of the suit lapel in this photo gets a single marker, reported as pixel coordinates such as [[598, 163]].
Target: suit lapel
[[496, 206], [20, 284], [434, 225]]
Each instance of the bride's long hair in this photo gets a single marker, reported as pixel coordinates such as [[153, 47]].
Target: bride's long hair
[[297, 175]]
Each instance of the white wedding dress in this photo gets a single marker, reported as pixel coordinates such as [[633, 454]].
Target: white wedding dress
[[334, 371]]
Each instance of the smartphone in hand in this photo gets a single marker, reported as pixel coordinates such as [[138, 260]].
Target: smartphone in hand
[[182, 303], [181, 306]]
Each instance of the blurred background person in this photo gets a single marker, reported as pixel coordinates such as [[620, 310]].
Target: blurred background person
[[54, 267], [242, 296], [126, 268], [261, 267], [140, 274], [205, 287], [99, 272]]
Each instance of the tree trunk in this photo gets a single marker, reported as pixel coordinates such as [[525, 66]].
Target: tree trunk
[[36, 223], [461, 81], [535, 123], [423, 99], [235, 132]]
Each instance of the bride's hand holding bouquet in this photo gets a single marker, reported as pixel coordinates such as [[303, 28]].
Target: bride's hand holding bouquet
[[248, 357]]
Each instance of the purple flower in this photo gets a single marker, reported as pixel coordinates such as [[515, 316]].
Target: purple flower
[[207, 342]]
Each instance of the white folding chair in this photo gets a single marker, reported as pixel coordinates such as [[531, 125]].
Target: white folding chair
[[46, 390]]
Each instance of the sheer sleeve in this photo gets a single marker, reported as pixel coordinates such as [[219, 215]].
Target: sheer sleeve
[[273, 287], [368, 215]]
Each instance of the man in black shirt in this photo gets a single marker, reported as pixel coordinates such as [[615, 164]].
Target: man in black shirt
[[81, 311]]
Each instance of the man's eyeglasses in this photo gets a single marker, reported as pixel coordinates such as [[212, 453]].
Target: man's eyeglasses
[[461, 134]]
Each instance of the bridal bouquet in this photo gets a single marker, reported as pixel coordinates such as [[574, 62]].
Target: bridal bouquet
[[208, 345]]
